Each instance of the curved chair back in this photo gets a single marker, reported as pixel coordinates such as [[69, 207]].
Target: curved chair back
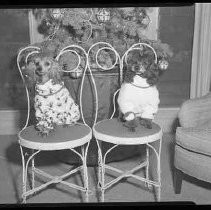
[[23, 57], [118, 60], [95, 50]]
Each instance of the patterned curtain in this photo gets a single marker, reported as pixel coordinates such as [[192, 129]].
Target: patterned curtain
[[201, 57]]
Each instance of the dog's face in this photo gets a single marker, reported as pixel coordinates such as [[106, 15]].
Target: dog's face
[[138, 69], [42, 66], [145, 70], [46, 68], [149, 71]]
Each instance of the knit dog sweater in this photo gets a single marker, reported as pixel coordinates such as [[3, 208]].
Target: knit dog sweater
[[139, 98]]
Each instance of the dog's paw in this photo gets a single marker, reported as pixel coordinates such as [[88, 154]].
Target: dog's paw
[[147, 123], [129, 116], [131, 125], [43, 130], [43, 134], [120, 118]]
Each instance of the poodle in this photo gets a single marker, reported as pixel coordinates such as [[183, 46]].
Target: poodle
[[138, 98], [53, 103]]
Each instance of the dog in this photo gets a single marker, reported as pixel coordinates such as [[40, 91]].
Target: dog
[[53, 103], [138, 97]]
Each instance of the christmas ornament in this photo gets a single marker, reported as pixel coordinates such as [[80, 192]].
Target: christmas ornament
[[57, 14], [146, 20], [133, 18], [103, 15], [129, 18], [141, 14], [163, 64]]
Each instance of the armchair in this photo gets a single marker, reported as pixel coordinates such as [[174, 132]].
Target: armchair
[[193, 141]]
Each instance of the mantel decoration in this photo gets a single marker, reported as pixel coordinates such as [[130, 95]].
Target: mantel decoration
[[121, 27]]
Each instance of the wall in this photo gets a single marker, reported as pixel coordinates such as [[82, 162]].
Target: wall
[[14, 34]]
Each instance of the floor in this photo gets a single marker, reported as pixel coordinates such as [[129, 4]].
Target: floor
[[128, 191]]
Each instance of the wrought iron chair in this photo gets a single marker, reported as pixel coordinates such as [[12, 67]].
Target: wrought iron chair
[[64, 138], [112, 131]]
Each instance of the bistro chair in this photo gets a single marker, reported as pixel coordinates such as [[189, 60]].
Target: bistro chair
[[75, 138], [112, 131]]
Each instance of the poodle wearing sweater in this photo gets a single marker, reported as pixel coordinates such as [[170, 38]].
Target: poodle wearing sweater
[[138, 98]]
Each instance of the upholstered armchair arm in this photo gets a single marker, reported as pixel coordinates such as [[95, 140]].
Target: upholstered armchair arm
[[195, 112]]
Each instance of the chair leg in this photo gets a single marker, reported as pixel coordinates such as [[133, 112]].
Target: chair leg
[[86, 182], [32, 171], [102, 184], [147, 169], [102, 179], [24, 176], [159, 172], [85, 172], [101, 171], [24, 187], [157, 154], [177, 180]]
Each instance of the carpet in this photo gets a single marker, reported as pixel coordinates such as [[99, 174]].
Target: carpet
[[129, 190]]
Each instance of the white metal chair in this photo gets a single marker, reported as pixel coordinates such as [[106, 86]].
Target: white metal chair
[[71, 137], [112, 131]]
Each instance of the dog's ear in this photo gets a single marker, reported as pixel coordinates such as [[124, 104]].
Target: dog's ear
[[129, 74], [152, 74], [28, 72], [156, 69], [55, 73]]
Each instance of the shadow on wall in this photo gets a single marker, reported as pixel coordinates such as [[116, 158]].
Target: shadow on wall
[[175, 125], [16, 92]]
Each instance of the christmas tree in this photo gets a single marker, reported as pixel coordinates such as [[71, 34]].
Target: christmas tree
[[120, 27]]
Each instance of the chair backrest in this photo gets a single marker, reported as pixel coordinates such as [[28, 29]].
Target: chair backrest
[[28, 51], [94, 52], [22, 57], [121, 61]]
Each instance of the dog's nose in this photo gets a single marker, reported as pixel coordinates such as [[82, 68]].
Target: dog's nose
[[38, 69], [139, 69], [136, 68]]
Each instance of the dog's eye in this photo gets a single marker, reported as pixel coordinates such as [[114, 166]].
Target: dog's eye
[[47, 63], [137, 68]]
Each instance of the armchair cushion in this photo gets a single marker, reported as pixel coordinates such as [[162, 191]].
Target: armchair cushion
[[196, 139], [195, 112], [206, 124]]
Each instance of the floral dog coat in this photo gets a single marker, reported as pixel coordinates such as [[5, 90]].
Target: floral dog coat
[[54, 105]]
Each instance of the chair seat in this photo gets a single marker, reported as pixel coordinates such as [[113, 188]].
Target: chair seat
[[62, 138], [113, 131], [195, 139]]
